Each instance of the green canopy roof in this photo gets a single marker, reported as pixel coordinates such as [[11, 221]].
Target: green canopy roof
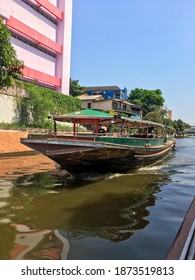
[[89, 113], [83, 116], [87, 116]]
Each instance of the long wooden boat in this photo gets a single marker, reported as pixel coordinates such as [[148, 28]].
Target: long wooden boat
[[107, 144]]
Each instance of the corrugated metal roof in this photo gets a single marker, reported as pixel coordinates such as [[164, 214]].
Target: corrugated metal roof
[[90, 97], [101, 88]]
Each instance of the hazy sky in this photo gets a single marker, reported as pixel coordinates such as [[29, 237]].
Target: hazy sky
[[145, 44]]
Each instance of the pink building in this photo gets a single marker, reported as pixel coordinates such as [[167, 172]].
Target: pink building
[[41, 36]]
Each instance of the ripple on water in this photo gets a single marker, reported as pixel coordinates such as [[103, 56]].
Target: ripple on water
[[3, 204], [5, 221], [142, 209]]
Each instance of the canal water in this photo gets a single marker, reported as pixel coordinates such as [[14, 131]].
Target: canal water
[[115, 216]]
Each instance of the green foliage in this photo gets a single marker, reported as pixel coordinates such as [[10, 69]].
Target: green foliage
[[12, 126], [168, 122], [148, 99], [40, 102], [75, 88], [10, 65], [180, 126], [152, 103], [156, 115]]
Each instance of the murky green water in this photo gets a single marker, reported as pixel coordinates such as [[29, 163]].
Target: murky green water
[[115, 216]]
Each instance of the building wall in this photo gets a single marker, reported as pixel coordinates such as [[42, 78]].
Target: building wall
[[95, 105], [7, 108], [107, 94], [33, 19], [170, 114], [103, 105], [44, 62], [84, 104], [41, 36], [110, 104], [8, 103], [65, 27]]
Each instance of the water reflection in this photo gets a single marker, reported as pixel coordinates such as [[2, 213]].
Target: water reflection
[[38, 244], [45, 215], [16, 166], [116, 216], [5, 188]]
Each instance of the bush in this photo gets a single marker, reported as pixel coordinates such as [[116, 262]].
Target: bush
[[14, 126], [40, 102]]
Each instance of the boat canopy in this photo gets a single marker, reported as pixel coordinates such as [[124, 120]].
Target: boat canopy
[[88, 116]]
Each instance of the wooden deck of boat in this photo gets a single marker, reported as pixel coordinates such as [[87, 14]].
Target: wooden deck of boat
[[183, 248]]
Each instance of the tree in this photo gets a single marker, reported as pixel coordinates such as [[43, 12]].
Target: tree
[[10, 65], [148, 99], [157, 114], [180, 126], [75, 88], [153, 117]]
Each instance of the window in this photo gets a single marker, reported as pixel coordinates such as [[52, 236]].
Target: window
[[30, 43], [115, 105], [37, 9], [89, 105], [124, 107]]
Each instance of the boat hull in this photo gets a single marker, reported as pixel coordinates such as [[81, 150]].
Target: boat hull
[[78, 156]]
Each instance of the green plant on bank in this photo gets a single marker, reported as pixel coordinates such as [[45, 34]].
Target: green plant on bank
[[48, 124], [12, 126], [39, 102]]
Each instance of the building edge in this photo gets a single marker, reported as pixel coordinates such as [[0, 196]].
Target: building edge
[[65, 27]]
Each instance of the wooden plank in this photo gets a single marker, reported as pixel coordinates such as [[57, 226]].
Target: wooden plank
[[180, 246]]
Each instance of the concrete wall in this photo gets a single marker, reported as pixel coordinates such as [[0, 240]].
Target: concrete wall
[[8, 104], [7, 108]]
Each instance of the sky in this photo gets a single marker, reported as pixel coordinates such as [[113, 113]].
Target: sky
[[147, 44]]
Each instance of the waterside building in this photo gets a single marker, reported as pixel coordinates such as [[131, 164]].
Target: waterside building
[[41, 35]]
